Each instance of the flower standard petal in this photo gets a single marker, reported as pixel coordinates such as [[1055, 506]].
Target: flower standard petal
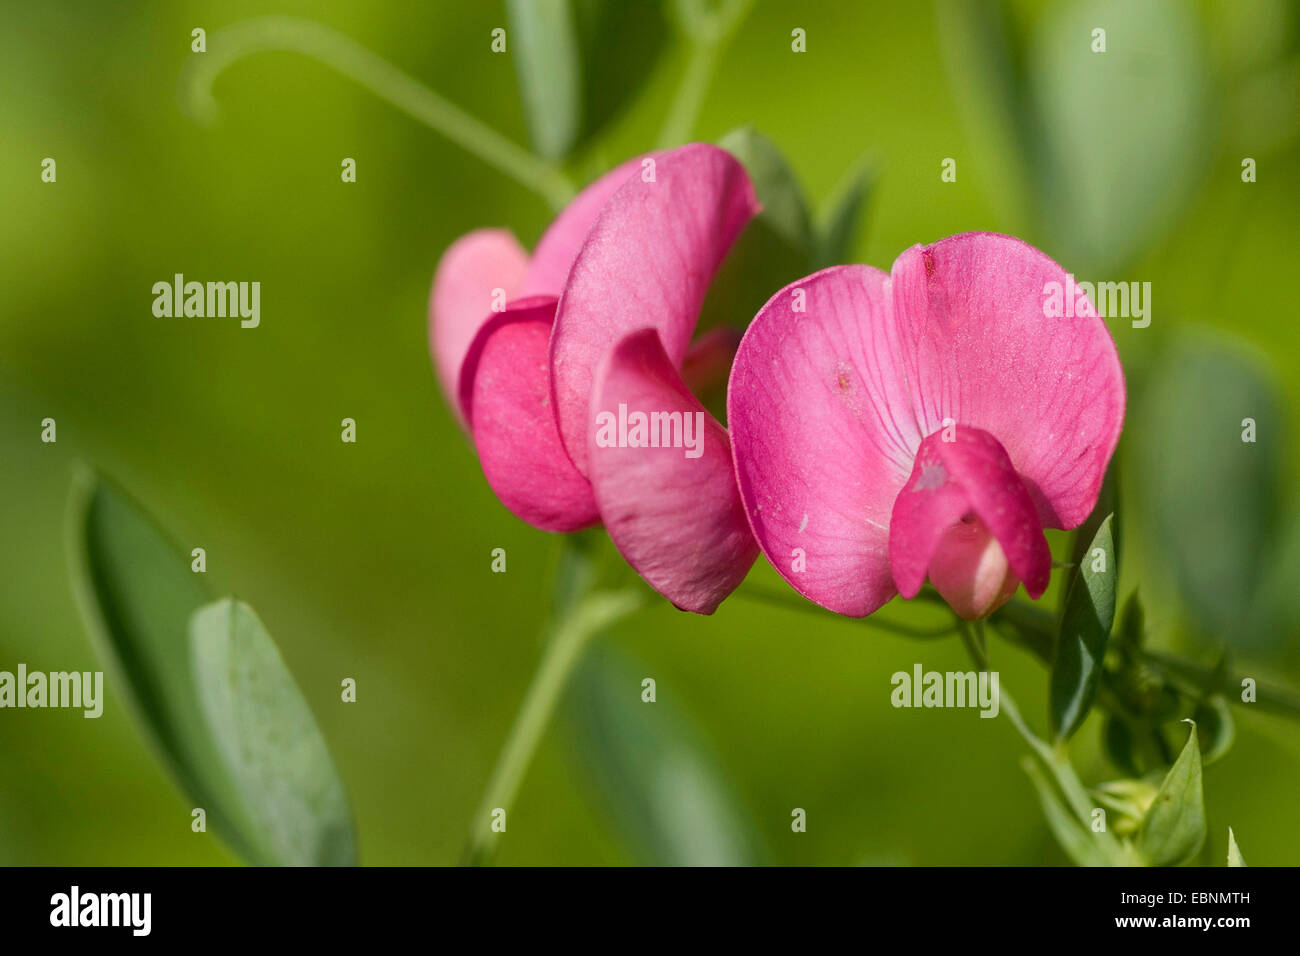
[[470, 271], [982, 350], [562, 239], [647, 262], [663, 476], [824, 436], [505, 391]]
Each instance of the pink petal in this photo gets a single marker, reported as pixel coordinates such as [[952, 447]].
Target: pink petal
[[646, 263], [462, 297], [969, 475], [981, 352], [505, 390], [823, 435], [559, 245], [674, 512]]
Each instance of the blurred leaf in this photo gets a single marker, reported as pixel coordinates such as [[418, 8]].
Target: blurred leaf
[[667, 794], [269, 739], [545, 48], [1085, 628], [841, 221], [1173, 829], [1211, 498], [1132, 624], [137, 594], [1121, 747], [579, 62], [1123, 129], [1077, 842], [985, 51], [1275, 605], [776, 248], [778, 190], [1234, 852], [620, 44]]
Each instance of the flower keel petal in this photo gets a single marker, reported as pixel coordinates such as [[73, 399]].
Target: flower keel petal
[[967, 476]]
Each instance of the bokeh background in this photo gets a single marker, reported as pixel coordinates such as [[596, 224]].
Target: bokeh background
[[372, 560]]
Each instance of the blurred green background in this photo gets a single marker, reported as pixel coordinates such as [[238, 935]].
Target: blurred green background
[[372, 560]]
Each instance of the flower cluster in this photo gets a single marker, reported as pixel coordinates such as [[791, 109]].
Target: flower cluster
[[885, 428]]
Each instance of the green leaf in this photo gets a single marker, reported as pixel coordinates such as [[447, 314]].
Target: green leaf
[[1215, 533], [269, 740], [1132, 625], [776, 248], [620, 45], [667, 795], [1234, 852], [1118, 165], [578, 64], [137, 592], [1173, 829], [139, 597], [1118, 740], [839, 226], [545, 48], [1085, 628], [1069, 832], [784, 208]]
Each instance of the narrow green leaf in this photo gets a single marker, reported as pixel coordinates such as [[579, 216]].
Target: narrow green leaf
[[544, 44], [269, 740], [667, 795], [1118, 741], [1131, 633], [1234, 852], [840, 223], [1173, 829], [139, 597], [620, 44], [579, 63], [1085, 628], [1077, 842], [784, 208], [776, 248], [137, 592]]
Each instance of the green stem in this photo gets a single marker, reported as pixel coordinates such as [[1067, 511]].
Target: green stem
[[354, 61], [563, 651], [708, 36]]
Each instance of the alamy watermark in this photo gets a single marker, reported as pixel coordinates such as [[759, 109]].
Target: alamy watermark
[[924, 688], [639, 429], [1114, 300], [75, 908], [74, 689], [208, 300]]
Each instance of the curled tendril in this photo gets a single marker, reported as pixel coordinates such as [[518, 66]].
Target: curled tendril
[[351, 59]]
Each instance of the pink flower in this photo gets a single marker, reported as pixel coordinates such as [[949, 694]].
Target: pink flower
[[929, 422], [597, 328]]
